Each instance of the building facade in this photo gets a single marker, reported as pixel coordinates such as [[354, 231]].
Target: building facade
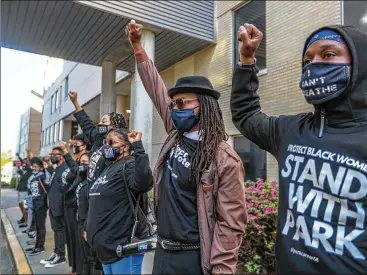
[[285, 25]]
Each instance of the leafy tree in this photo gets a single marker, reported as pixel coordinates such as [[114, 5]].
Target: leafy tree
[[6, 157]]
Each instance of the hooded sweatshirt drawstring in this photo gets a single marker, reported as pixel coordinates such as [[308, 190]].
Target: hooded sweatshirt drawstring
[[322, 122]]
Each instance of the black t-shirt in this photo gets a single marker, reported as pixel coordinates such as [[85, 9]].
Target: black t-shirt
[[96, 166], [177, 210], [110, 217], [24, 176], [55, 194], [39, 197], [25, 179]]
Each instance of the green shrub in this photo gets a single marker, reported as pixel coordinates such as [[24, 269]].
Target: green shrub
[[13, 183], [257, 253]]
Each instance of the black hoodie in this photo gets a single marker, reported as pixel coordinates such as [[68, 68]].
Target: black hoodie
[[322, 180]]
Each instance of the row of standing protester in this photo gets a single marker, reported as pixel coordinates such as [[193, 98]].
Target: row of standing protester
[[199, 196]]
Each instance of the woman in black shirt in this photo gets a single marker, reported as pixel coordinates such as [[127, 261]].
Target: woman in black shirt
[[110, 217]]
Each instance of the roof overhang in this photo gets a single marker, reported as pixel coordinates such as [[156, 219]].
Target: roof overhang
[[91, 31]]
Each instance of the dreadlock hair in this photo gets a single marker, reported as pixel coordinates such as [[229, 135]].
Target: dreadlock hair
[[83, 138], [212, 133]]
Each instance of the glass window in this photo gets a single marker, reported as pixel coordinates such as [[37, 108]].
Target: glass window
[[56, 134], [52, 134], [57, 100], [67, 87], [252, 13], [52, 104], [61, 128], [253, 158], [355, 14], [47, 136]]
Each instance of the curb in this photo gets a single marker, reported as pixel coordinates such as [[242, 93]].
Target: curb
[[20, 261]]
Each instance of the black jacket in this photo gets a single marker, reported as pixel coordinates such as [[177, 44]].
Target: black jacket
[[82, 202], [322, 181], [110, 217], [96, 161], [55, 193], [71, 182]]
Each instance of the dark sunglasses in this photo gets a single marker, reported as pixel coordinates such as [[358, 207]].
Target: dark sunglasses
[[180, 102], [109, 142]]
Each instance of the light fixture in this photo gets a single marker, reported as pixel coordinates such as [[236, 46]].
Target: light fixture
[[128, 111], [364, 19]]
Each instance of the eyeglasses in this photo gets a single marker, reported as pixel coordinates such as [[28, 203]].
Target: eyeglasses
[[110, 142], [180, 102]]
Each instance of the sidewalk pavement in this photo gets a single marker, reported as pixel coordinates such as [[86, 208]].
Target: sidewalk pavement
[[13, 215]]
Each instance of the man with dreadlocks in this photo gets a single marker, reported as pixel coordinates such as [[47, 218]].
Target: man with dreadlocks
[[199, 190]]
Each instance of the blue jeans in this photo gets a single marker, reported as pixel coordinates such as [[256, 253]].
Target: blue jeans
[[30, 212], [128, 265]]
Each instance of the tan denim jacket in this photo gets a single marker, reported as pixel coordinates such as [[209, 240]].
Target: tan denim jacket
[[220, 238]]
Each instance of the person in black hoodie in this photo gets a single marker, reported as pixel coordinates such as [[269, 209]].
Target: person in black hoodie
[[38, 189], [96, 135], [322, 156], [56, 204], [110, 217]]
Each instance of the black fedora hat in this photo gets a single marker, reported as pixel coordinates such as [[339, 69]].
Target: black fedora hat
[[194, 84]]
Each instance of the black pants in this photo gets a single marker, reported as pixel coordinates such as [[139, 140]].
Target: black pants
[[177, 262], [71, 229], [58, 226], [87, 261], [40, 215]]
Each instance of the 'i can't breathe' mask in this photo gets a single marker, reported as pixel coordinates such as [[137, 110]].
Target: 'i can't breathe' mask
[[323, 81]]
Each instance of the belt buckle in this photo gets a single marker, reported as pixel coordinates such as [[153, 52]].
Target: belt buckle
[[162, 244]]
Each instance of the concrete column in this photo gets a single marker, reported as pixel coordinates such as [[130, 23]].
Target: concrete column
[[141, 117], [108, 90]]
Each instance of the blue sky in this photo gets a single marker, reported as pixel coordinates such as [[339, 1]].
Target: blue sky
[[20, 73]]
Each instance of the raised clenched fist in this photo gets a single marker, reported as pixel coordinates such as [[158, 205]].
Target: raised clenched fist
[[249, 38], [73, 96], [134, 136], [134, 32]]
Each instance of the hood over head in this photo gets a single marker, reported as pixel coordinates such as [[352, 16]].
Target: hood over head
[[349, 109]]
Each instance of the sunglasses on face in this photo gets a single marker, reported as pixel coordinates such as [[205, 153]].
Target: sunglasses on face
[[180, 102], [110, 142]]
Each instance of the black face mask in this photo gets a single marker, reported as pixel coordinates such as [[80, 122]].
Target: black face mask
[[110, 153], [83, 171], [76, 149], [54, 160], [102, 129], [323, 81]]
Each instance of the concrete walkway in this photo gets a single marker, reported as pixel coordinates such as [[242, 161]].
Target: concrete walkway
[[13, 215]]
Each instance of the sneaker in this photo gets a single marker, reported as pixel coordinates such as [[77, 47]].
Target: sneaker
[[50, 259], [31, 236], [22, 225], [58, 260], [36, 251], [31, 242], [21, 221], [25, 231], [30, 249]]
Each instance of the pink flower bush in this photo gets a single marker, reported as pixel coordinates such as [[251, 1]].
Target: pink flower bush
[[258, 246]]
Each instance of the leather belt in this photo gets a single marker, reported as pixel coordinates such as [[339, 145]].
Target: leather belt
[[177, 246]]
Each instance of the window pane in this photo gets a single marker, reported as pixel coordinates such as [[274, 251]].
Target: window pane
[[52, 134], [66, 86], [57, 100], [47, 136], [252, 13], [52, 104], [355, 14], [56, 135], [61, 128], [253, 158]]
